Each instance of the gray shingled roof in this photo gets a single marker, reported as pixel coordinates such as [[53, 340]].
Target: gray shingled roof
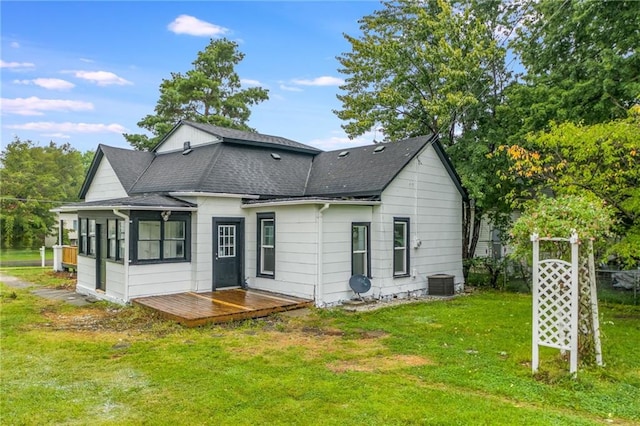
[[127, 164], [228, 168], [362, 172], [247, 138], [235, 167]]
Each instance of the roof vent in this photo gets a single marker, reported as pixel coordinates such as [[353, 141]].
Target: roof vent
[[343, 154], [275, 156], [186, 148], [379, 148]]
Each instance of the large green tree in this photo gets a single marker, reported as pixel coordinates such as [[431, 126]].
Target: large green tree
[[209, 93], [581, 60], [35, 179], [438, 67], [600, 160]]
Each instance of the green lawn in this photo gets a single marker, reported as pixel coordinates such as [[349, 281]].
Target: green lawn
[[463, 361], [13, 255]]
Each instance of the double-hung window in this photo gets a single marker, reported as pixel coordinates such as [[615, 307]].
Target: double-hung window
[[83, 236], [266, 245], [400, 247], [174, 240], [115, 239], [360, 254], [91, 237]]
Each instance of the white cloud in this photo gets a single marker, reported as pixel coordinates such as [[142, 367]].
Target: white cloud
[[102, 78], [290, 88], [89, 61], [190, 25], [15, 45], [325, 80], [16, 65], [68, 127], [249, 82], [48, 83], [37, 106]]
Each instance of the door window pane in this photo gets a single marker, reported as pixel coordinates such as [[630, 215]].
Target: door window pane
[[226, 240]]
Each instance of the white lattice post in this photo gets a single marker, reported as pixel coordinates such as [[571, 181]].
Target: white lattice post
[[575, 292], [594, 305], [534, 291]]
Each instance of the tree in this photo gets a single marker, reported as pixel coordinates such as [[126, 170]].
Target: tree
[[582, 61], [209, 93], [435, 67], [601, 160], [34, 180]]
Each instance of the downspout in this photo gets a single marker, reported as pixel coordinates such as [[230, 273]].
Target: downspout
[[126, 252], [320, 266]]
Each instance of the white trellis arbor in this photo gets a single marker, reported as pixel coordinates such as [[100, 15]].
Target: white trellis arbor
[[565, 305]]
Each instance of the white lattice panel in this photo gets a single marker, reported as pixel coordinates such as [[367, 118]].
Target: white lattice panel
[[555, 302], [555, 308]]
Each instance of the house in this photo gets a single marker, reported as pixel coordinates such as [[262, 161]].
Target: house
[[68, 222], [211, 208]]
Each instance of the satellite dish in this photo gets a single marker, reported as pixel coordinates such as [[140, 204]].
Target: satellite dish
[[360, 283]]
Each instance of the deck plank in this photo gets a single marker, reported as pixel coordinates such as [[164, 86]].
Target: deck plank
[[195, 309]]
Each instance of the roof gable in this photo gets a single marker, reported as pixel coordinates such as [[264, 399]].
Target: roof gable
[[127, 164]]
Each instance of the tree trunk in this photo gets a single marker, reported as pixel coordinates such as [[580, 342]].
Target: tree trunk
[[471, 220]]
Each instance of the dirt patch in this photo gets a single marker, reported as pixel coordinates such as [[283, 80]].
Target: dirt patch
[[380, 363], [100, 319]]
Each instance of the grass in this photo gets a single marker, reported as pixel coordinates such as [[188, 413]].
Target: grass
[[23, 255], [463, 361]]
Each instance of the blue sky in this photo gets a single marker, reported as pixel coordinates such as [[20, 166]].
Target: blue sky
[[85, 72]]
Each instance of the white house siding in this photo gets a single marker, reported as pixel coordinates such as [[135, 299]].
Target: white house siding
[[424, 192], [296, 250], [337, 221], [202, 235], [484, 246], [105, 185], [115, 281], [86, 283], [160, 278], [175, 142]]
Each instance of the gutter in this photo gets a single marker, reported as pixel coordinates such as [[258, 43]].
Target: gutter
[[126, 251], [320, 266]]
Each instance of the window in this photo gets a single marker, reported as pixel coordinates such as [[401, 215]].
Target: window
[[112, 241], [156, 240], [75, 225], [174, 238], [83, 236], [400, 247], [360, 249], [91, 237], [115, 239], [226, 241], [149, 239], [120, 237], [266, 245]]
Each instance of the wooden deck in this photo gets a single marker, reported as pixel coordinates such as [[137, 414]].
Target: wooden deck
[[194, 309]]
